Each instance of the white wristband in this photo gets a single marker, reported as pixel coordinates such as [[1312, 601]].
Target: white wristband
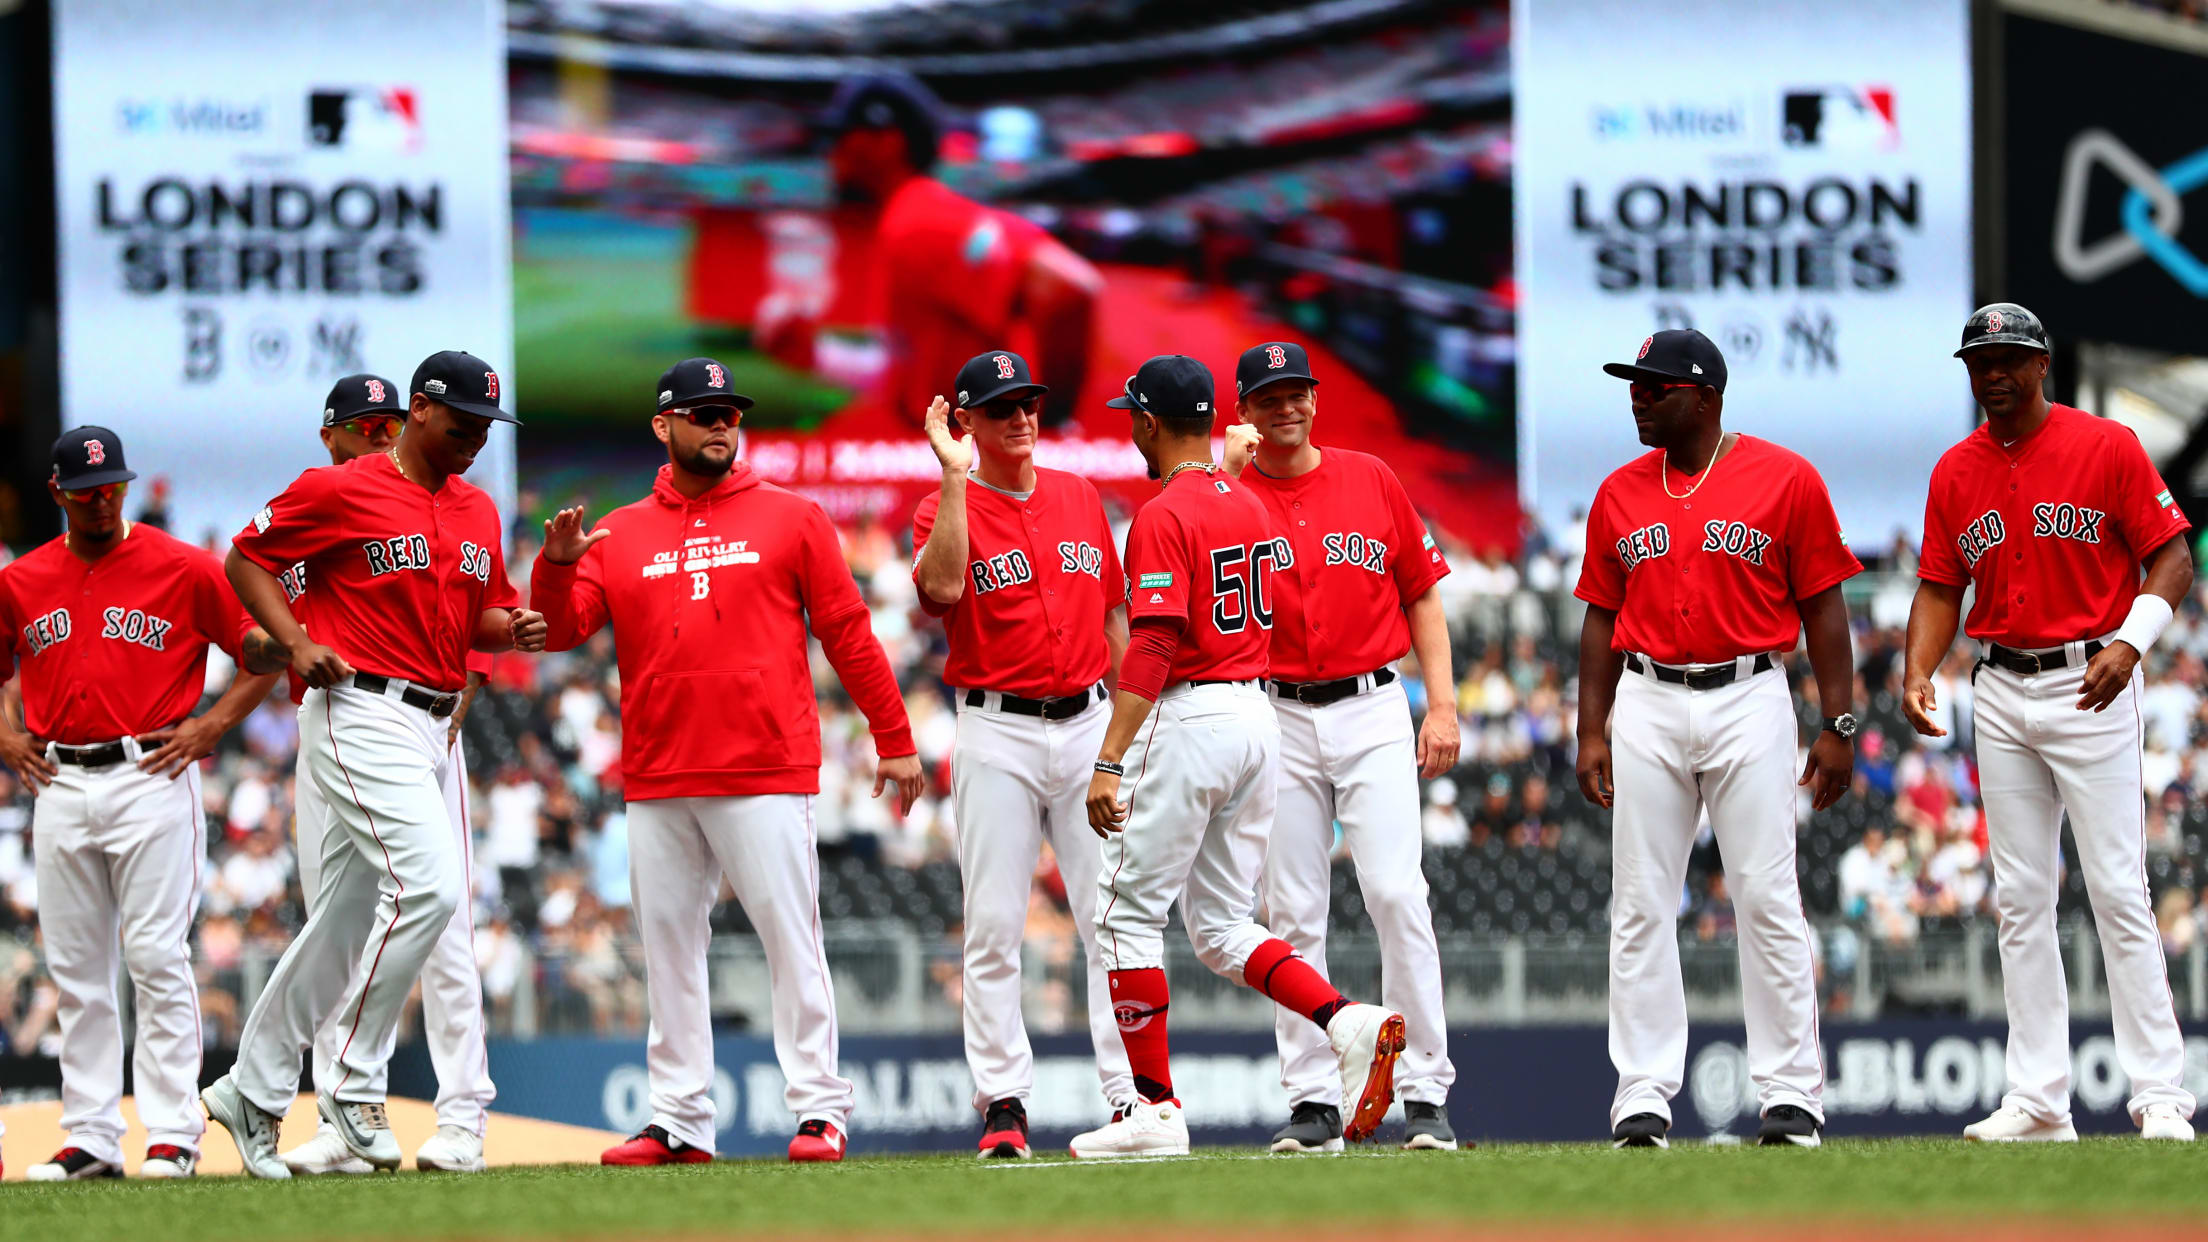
[[2149, 614]]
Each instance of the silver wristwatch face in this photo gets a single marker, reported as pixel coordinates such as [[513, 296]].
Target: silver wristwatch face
[[1844, 724]]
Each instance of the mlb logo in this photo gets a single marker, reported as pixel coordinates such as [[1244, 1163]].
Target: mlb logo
[[1841, 118], [368, 118]]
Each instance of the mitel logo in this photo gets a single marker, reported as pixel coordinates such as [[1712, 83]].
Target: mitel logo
[[371, 118], [1853, 118], [1672, 122], [213, 118]]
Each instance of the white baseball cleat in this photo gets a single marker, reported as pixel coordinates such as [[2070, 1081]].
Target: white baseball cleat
[[2010, 1124], [365, 1127], [2164, 1122], [251, 1129], [1147, 1130], [453, 1149], [1367, 1039], [325, 1153], [73, 1164]]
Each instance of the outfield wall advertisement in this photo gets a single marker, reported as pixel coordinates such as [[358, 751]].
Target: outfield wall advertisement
[[1799, 191], [238, 231]]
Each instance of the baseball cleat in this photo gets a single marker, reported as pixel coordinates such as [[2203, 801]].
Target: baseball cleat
[[1148, 1129], [453, 1149], [2164, 1122], [1367, 1039], [818, 1141], [653, 1145], [1426, 1127], [365, 1127], [1004, 1131], [254, 1131], [73, 1164], [1641, 1130], [1789, 1124], [167, 1160], [325, 1153], [1312, 1127], [2010, 1124]]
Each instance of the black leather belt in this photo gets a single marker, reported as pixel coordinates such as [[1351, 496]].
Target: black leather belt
[[90, 756], [1709, 678], [1321, 693], [1048, 709], [1216, 681], [438, 705], [2030, 662]]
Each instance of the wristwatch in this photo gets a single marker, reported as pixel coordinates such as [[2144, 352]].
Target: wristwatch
[[1843, 724]]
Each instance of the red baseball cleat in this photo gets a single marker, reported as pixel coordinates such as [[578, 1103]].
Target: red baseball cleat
[[817, 1141], [653, 1145], [1004, 1131]]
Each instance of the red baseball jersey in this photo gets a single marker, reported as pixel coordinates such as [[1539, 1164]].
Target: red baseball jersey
[[1204, 551], [1358, 554], [952, 268], [115, 647], [2052, 528], [1041, 573], [294, 582], [401, 574], [1718, 574]]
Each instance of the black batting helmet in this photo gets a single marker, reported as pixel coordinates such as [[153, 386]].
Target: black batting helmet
[[2003, 323]]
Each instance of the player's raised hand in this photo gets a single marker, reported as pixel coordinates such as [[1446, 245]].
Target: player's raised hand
[[564, 540], [954, 451], [318, 666], [1437, 740], [2106, 675], [904, 771], [1830, 770], [1918, 701], [1107, 814], [1242, 440], [182, 745], [26, 758], [1594, 771]]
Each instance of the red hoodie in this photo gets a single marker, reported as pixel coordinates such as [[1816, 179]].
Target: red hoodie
[[709, 600]]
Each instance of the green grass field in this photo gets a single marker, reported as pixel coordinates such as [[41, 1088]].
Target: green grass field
[[2108, 1190]]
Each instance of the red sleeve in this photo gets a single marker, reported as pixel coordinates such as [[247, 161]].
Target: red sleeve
[[1158, 565], [968, 262], [923, 522], [296, 525], [1817, 555], [217, 614], [571, 597], [479, 663], [2144, 508], [11, 627], [1418, 561], [1937, 559], [1152, 642], [1601, 573], [846, 633]]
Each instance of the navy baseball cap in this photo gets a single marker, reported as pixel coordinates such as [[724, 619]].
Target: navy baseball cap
[[888, 101], [986, 377], [698, 381], [1675, 355], [356, 395], [89, 457], [1169, 386], [1270, 363], [462, 381]]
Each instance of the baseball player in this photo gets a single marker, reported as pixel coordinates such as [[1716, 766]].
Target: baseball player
[[1198, 748], [110, 625], [363, 415], [710, 584], [2049, 513], [405, 560], [1355, 594], [1706, 560], [1021, 564]]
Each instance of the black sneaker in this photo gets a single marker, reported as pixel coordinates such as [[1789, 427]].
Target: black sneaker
[[1641, 1130], [1426, 1128], [73, 1164], [1312, 1127], [1788, 1124], [1004, 1131]]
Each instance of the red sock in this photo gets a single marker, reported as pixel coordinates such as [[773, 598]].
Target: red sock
[[1278, 972], [1138, 1003]]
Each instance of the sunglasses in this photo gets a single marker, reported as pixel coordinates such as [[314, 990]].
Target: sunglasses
[[707, 415], [1642, 389], [105, 491], [369, 426], [998, 411]]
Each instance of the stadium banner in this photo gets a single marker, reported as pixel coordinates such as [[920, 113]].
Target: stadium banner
[[2098, 237], [1514, 1084], [1800, 191], [235, 232]]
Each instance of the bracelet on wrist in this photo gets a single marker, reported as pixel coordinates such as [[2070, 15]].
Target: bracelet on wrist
[[1104, 765]]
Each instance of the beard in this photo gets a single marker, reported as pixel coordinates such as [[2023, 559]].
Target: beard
[[699, 462]]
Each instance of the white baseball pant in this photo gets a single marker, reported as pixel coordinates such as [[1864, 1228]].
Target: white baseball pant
[[1015, 779], [1201, 785], [1674, 753], [118, 849], [452, 987], [1356, 760], [2037, 756], [387, 891], [678, 850]]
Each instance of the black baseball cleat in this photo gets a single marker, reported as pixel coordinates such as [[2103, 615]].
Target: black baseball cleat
[[1787, 1124], [1312, 1127], [1426, 1127], [1004, 1131], [1641, 1130], [73, 1164]]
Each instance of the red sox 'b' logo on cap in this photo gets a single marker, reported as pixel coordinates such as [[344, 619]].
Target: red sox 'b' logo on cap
[[715, 376], [1993, 321], [490, 383], [1646, 341], [1004, 366], [94, 452], [375, 391], [1275, 357]]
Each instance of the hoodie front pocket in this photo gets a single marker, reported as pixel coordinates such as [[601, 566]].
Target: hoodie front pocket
[[722, 718]]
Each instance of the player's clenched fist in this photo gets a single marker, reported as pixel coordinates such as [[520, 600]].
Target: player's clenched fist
[[1918, 701], [318, 666], [1106, 812], [954, 452], [529, 630], [564, 540], [1242, 441]]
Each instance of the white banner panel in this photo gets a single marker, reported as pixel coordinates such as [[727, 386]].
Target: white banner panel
[[258, 196], [1791, 178]]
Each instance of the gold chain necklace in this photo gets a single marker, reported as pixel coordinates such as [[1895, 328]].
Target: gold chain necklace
[[1208, 467], [1665, 468]]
